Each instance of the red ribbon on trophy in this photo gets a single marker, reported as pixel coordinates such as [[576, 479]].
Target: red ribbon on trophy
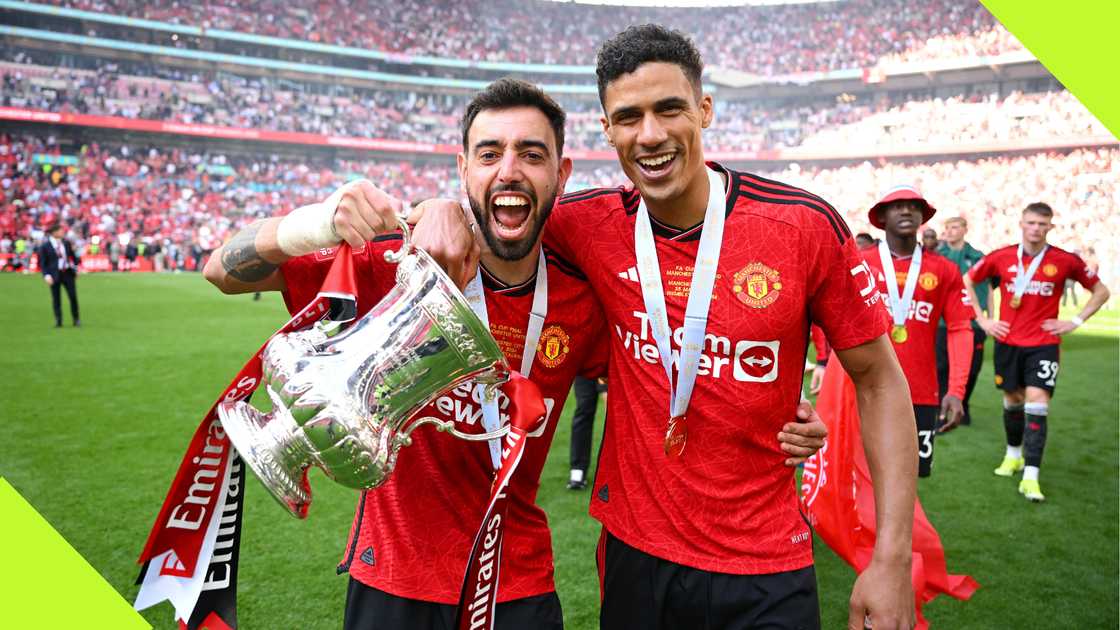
[[190, 557], [479, 596]]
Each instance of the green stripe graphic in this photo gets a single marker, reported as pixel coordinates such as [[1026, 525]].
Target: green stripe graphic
[[45, 583], [1077, 42]]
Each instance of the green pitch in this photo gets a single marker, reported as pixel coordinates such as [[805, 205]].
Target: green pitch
[[96, 420]]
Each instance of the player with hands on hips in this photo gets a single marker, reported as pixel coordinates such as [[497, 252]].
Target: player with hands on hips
[[1031, 275]]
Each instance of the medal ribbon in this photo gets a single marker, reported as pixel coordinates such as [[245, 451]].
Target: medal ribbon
[[491, 419], [699, 293], [175, 530], [1023, 279], [900, 307]]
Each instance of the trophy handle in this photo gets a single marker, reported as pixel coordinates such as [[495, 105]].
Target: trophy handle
[[406, 232], [448, 426]]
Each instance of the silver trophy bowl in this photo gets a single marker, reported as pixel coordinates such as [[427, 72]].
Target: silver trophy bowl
[[344, 400]]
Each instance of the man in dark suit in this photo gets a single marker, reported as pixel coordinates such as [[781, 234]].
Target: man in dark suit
[[59, 265]]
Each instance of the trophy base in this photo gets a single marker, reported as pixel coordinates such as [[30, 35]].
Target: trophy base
[[259, 439]]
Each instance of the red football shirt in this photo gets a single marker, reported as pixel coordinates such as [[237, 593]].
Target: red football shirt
[[939, 293], [728, 504], [414, 533], [1043, 295]]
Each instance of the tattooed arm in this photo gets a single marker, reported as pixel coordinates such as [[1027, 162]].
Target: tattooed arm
[[249, 262]]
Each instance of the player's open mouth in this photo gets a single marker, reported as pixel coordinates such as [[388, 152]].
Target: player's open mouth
[[510, 214], [656, 166]]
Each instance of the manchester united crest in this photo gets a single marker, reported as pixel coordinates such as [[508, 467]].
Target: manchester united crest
[[1050, 269], [928, 281], [553, 348], [757, 285]]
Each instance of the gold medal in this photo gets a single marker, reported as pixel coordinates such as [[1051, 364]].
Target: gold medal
[[675, 436], [1015, 302], [899, 334]]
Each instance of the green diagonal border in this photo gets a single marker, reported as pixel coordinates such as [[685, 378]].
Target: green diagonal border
[[45, 583], [1077, 42]]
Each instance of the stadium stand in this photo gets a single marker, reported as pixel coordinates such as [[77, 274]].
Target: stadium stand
[[177, 202], [37, 80], [172, 152], [764, 40], [188, 202], [991, 193]]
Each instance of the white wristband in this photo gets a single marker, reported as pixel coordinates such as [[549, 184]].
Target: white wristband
[[309, 227], [1077, 321]]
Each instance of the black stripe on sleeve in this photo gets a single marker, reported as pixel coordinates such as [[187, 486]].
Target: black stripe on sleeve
[[584, 195], [838, 225], [563, 264], [794, 192], [630, 200], [787, 188]]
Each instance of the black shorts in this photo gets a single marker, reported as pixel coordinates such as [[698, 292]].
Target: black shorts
[[368, 608], [643, 592], [927, 418], [1032, 366]]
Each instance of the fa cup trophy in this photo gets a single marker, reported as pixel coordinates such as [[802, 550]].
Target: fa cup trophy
[[345, 400]]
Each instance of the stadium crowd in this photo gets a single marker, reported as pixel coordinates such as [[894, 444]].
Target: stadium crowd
[[136, 90], [964, 45], [958, 120], [184, 203], [990, 194], [133, 201], [765, 40]]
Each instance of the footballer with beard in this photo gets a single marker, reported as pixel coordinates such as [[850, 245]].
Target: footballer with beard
[[411, 537]]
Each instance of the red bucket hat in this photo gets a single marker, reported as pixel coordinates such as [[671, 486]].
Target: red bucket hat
[[900, 193]]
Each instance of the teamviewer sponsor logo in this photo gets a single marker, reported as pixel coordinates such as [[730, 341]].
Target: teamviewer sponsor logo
[[756, 361], [1035, 287], [920, 310], [747, 361]]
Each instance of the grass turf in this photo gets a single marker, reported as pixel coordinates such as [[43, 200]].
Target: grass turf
[[96, 419]]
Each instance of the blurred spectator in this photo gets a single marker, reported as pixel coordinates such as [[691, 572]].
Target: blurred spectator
[[929, 240]]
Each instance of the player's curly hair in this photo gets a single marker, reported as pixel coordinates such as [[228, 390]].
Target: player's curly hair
[[507, 93], [623, 53]]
